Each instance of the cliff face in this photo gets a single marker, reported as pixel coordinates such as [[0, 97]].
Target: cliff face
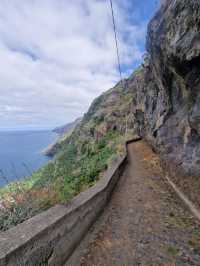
[[172, 85]]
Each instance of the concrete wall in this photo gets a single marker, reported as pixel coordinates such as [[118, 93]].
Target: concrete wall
[[50, 237]]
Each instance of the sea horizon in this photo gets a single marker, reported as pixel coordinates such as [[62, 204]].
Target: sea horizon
[[23, 147], [26, 129]]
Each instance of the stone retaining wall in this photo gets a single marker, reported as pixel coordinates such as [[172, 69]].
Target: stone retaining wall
[[50, 237]]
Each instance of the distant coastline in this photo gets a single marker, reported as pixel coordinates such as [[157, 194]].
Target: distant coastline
[[63, 133]]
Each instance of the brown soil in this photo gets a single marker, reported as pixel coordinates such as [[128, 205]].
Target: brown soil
[[144, 222]]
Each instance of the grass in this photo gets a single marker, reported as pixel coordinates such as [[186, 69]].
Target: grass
[[180, 222], [173, 251], [194, 242]]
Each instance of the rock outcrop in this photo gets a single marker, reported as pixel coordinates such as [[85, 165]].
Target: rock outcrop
[[172, 86]]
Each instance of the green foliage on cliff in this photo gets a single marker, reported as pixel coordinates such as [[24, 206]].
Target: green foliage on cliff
[[80, 159], [72, 171], [69, 173]]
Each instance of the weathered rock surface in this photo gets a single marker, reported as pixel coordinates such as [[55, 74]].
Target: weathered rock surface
[[167, 102], [172, 100]]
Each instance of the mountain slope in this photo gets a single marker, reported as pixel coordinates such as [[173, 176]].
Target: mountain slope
[[63, 132]]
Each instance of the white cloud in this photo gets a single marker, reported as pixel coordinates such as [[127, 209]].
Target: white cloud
[[56, 56]]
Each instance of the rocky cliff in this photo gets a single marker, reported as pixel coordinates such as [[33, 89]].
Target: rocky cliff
[[168, 101], [172, 85]]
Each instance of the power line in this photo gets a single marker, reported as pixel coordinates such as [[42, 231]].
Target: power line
[[116, 41]]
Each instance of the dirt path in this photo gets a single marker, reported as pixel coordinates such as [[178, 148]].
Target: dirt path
[[143, 224]]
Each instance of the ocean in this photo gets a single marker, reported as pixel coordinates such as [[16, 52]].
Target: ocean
[[21, 153]]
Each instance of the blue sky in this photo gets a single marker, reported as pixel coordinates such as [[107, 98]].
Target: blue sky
[[57, 56]]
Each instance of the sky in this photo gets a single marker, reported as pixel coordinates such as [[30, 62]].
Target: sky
[[58, 55]]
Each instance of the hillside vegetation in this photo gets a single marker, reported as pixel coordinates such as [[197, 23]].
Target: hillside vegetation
[[160, 102], [80, 159]]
